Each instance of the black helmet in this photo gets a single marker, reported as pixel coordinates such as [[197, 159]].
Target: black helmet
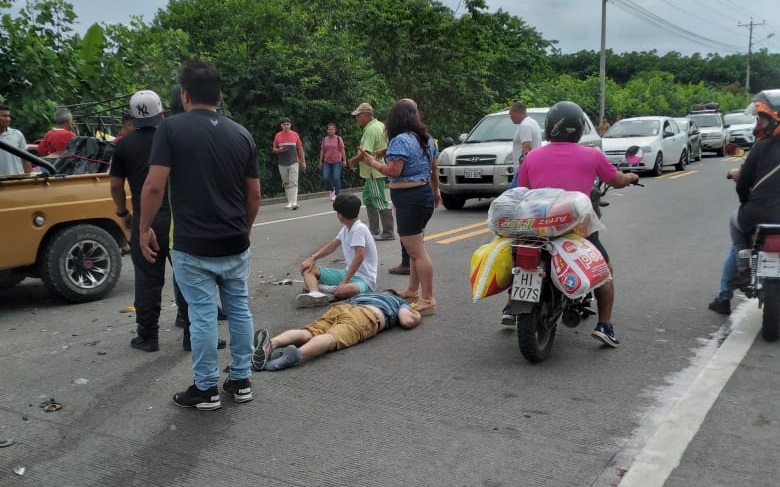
[[766, 104], [564, 122]]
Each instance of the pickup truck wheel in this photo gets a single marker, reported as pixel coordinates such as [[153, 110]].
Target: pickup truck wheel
[[81, 263], [720, 152], [452, 202]]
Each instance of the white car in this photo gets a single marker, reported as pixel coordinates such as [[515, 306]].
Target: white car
[[660, 138], [740, 128]]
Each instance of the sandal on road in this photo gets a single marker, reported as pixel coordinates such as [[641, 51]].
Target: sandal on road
[[427, 310]]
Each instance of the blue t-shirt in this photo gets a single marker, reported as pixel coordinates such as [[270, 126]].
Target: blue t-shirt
[[389, 304], [417, 165]]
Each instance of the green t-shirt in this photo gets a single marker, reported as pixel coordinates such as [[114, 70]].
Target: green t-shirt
[[373, 139]]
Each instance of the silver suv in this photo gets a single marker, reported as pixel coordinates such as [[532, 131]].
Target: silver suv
[[714, 135], [482, 166]]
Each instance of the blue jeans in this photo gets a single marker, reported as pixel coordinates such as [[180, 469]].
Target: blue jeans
[[739, 237], [199, 278], [726, 291], [331, 176]]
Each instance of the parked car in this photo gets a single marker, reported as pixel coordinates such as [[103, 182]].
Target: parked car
[[481, 166], [694, 137], [714, 136], [661, 140], [741, 128]]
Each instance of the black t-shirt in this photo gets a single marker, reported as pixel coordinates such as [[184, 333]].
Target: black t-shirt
[[131, 161], [762, 204], [210, 157]]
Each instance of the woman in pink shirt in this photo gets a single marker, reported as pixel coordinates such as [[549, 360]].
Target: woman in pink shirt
[[332, 157]]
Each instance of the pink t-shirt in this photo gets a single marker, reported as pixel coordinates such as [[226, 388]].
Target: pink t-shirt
[[331, 148], [565, 165]]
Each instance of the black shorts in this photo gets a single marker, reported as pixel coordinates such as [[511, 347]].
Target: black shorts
[[413, 208]]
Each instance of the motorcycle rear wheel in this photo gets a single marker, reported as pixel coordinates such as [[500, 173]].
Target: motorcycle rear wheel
[[535, 335], [771, 319]]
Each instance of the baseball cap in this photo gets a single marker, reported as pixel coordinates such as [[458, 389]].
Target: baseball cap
[[363, 108], [146, 108]]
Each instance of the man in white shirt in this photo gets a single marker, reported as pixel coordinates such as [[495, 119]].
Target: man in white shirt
[[527, 137]]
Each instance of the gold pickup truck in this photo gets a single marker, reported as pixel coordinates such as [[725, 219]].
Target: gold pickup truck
[[61, 229]]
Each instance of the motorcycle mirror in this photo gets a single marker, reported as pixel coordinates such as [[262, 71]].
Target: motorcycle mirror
[[634, 154], [734, 150]]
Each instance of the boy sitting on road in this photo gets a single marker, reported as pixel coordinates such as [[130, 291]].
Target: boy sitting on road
[[344, 324], [324, 283]]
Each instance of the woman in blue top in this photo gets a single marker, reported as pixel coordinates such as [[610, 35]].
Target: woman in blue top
[[414, 189]]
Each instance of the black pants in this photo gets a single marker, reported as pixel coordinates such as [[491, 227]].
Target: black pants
[[149, 276]]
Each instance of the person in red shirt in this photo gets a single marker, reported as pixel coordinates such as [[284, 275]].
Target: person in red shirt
[[287, 143], [57, 138]]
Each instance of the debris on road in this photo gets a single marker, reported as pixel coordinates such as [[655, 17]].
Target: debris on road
[[51, 405]]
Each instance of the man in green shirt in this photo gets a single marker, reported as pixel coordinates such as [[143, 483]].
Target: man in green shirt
[[374, 197]]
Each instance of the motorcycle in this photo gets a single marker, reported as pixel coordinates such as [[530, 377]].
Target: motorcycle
[[764, 279], [537, 304]]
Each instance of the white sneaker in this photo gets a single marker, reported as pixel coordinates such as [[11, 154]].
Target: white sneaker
[[288, 206], [311, 300], [332, 195]]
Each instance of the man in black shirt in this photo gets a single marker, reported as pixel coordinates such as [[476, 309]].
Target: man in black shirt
[[210, 165], [131, 162]]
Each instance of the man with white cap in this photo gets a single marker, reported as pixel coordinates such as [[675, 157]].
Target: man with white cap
[[374, 197], [131, 162]]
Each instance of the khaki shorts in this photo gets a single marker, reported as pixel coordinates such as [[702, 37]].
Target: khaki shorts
[[350, 324]]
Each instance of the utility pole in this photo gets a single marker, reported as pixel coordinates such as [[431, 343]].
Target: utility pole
[[603, 61], [750, 50]]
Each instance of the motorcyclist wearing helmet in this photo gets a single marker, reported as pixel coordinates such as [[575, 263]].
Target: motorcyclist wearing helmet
[[569, 166], [758, 186], [758, 199]]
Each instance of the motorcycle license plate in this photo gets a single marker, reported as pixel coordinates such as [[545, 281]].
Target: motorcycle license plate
[[527, 285], [768, 264], [476, 174]]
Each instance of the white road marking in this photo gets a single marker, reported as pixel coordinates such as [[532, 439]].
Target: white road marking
[[293, 218], [662, 453]]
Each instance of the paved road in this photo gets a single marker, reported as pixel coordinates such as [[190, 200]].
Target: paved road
[[451, 403]]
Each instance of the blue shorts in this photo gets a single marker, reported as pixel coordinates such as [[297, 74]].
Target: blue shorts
[[413, 208], [333, 277]]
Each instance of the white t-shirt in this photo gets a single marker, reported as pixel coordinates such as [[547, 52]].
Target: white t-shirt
[[9, 163], [527, 131], [360, 236]]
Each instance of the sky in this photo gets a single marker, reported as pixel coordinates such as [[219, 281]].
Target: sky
[[690, 26]]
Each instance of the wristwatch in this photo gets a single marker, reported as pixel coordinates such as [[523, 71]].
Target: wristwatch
[[122, 213]]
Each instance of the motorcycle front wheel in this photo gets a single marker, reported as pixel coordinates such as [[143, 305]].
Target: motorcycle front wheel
[[771, 318], [535, 333]]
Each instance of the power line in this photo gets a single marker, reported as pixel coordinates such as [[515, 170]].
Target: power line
[[638, 11], [697, 16]]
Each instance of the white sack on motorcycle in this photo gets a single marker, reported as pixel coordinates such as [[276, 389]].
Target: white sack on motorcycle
[[578, 265], [545, 212]]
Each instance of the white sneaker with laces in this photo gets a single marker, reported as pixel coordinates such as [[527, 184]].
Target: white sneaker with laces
[[311, 300]]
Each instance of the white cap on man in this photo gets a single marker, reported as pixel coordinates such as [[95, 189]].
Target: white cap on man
[[146, 109]]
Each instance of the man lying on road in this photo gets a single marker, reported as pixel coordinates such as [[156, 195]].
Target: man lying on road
[[344, 324]]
